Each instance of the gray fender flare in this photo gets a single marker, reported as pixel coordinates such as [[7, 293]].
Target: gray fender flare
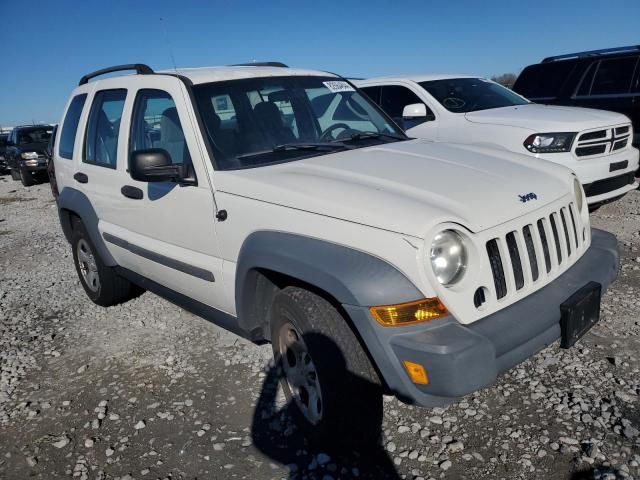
[[350, 276], [74, 201]]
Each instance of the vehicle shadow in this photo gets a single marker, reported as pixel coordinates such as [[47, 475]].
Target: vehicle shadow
[[275, 434], [597, 472]]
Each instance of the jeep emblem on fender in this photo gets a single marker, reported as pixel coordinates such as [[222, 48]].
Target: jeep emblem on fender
[[527, 197]]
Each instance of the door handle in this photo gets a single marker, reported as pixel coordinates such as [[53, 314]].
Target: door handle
[[132, 192], [81, 177]]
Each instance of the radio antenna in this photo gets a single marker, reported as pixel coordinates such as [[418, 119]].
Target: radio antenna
[[166, 39]]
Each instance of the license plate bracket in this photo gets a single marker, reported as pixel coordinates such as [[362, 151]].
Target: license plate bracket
[[580, 312]]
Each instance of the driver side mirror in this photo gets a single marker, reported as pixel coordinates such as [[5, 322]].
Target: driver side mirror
[[415, 110], [154, 165]]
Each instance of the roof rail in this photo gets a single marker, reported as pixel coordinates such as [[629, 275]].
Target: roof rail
[[261, 64], [140, 68], [590, 53]]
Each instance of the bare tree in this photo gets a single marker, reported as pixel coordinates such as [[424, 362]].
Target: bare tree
[[506, 79]]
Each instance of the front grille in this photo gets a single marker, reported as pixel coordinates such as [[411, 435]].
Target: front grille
[[594, 150], [516, 259], [603, 141], [592, 135], [619, 144], [609, 184], [495, 261]]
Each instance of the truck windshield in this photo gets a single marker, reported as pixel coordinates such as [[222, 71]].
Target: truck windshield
[[253, 122], [34, 135], [462, 95]]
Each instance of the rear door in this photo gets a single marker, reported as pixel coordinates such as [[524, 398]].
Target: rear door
[[608, 85]]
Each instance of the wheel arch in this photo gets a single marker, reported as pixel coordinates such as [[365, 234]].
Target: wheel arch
[[269, 261], [73, 203]]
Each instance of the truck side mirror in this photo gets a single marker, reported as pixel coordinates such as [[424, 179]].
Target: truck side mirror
[[415, 110], [153, 165]]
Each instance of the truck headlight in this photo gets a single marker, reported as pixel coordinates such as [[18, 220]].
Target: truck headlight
[[29, 155], [549, 142], [579, 194], [448, 257]]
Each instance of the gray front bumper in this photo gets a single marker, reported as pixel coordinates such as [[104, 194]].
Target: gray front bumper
[[461, 359]]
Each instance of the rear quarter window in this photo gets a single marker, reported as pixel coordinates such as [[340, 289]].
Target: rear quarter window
[[545, 80], [70, 126]]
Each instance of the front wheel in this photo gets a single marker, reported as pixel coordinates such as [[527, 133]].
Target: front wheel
[[26, 177], [15, 175], [326, 375]]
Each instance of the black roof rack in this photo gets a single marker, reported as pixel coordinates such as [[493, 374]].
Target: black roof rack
[[261, 64], [591, 53], [140, 68]]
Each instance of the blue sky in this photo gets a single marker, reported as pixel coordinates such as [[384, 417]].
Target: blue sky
[[48, 46]]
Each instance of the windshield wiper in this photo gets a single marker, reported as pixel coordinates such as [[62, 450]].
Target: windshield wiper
[[364, 135], [329, 146], [310, 146]]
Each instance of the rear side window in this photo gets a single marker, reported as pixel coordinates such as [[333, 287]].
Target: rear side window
[[156, 125], [545, 80], [70, 126], [101, 143], [614, 76]]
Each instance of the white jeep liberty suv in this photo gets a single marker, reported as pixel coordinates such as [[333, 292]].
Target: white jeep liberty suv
[[372, 263]]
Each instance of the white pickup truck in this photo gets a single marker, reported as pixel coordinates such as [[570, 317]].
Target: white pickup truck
[[284, 205], [595, 144]]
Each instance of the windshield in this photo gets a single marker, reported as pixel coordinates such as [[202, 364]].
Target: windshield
[[34, 135], [462, 95], [258, 121]]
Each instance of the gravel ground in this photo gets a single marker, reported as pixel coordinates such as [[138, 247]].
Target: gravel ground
[[147, 390]]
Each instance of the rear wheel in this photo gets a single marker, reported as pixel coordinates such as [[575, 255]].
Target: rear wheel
[[101, 283], [326, 375]]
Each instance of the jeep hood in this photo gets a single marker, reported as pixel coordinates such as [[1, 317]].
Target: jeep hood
[[406, 187], [547, 118]]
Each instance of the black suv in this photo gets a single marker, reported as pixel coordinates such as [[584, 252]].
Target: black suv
[[3, 148], [26, 153], [606, 79]]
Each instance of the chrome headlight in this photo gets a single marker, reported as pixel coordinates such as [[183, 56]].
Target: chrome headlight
[[577, 190], [549, 142], [448, 257], [29, 155]]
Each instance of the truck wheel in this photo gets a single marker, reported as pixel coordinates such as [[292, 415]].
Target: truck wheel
[[101, 283], [26, 178], [334, 391], [15, 175]]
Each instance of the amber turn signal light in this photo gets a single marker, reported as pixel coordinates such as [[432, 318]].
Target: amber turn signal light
[[409, 313], [416, 372]]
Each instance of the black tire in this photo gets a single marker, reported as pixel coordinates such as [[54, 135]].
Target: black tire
[[351, 393], [15, 175], [26, 178], [111, 289]]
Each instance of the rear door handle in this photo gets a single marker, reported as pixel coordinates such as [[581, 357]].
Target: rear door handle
[[81, 177], [132, 192]]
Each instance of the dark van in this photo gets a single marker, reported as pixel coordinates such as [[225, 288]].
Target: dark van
[[606, 79]]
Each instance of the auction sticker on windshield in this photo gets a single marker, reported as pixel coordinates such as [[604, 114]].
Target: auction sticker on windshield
[[337, 86]]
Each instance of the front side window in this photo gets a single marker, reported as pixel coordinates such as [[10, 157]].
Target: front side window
[[70, 126], [462, 95], [156, 124], [614, 76], [28, 136], [103, 126], [258, 121], [544, 80]]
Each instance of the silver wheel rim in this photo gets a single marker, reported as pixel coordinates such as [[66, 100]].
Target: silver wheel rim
[[88, 267], [300, 373]]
